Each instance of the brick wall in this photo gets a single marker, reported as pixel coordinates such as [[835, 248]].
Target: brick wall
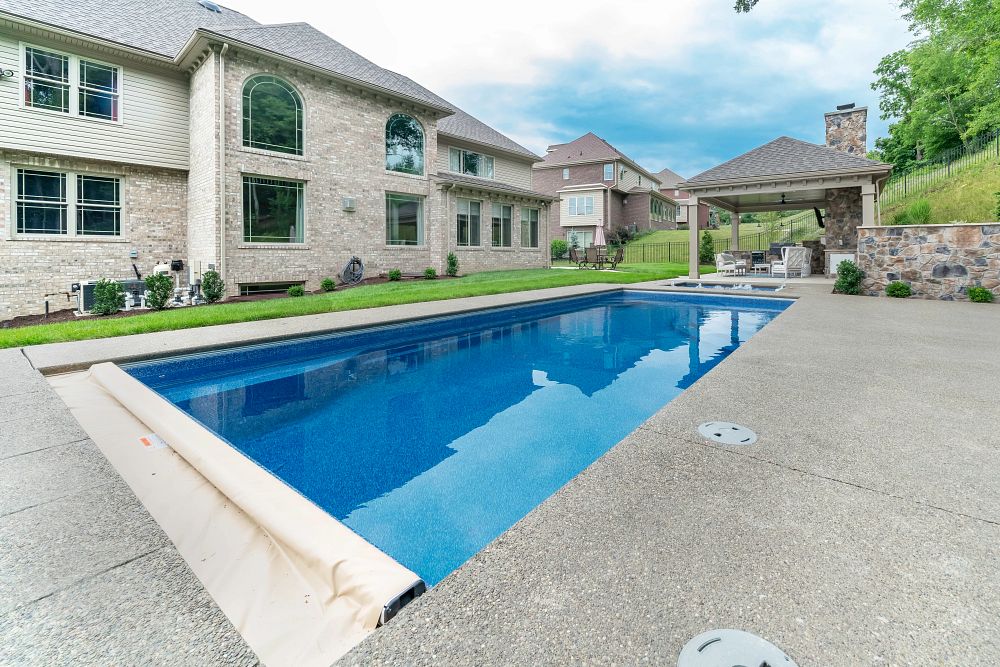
[[937, 261], [203, 176], [485, 257], [154, 209]]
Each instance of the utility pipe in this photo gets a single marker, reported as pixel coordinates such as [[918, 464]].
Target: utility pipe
[[222, 162]]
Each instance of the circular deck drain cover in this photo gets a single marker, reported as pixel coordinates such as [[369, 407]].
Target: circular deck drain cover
[[727, 433], [732, 648]]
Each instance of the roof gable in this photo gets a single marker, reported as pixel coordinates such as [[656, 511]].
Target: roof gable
[[784, 156], [589, 147], [669, 179], [465, 126]]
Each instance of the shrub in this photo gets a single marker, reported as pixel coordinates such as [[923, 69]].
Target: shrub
[[900, 218], [996, 211], [296, 290], [212, 286], [452, 264], [979, 294], [430, 273], [848, 278], [917, 213], [109, 297], [328, 285], [159, 289], [559, 248], [706, 249], [395, 274], [621, 236], [898, 290]]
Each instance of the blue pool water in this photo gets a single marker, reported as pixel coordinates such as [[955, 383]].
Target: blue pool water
[[431, 438]]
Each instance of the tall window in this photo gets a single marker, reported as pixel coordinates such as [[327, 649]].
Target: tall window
[[468, 222], [404, 219], [502, 226], [69, 84], [468, 162], [658, 209], [579, 239], [273, 210], [404, 145], [609, 172], [529, 227], [45, 202], [565, 173], [272, 115], [581, 205]]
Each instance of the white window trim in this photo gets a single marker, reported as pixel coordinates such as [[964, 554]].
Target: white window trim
[[574, 203], [510, 240], [71, 207], [608, 167], [538, 226], [423, 221], [74, 86], [461, 163], [458, 201], [243, 243], [565, 173]]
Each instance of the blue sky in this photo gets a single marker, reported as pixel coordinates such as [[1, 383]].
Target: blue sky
[[684, 85]]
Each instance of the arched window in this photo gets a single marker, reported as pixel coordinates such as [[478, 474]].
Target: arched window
[[404, 145], [272, 115]]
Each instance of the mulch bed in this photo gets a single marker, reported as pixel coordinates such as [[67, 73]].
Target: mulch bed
[[68, 314]]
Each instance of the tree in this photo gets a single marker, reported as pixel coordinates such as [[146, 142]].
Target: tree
[[706, 249], [744, 6]]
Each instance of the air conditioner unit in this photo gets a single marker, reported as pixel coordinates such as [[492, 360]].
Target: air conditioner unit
[[134, 292], [349, 204]]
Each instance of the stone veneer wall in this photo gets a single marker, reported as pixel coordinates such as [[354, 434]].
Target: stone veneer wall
[[937, 261], [154, 215], [847, 131], [843, 217]]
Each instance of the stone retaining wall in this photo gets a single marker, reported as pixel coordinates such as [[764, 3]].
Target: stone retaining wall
[[937, 261]]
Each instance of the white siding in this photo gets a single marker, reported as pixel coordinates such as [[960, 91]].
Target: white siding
[[567, 220], [154, 116], [505, 169]]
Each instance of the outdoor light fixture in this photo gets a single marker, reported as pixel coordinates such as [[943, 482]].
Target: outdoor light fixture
[[6, 73], [782, 197]]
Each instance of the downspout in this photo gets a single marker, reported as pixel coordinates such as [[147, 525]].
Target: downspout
[[222, 162]]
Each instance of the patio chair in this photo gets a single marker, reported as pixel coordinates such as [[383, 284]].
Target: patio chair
[[574, 257], [727, 265], [592, 257], [618, 258], [794, 262]]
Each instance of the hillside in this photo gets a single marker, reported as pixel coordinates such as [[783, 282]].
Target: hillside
[[968, 196]]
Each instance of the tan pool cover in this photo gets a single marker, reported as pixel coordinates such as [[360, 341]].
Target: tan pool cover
[[301, 587]]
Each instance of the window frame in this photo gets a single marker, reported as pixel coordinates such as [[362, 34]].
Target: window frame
[[565, 173], [421, 220], [301, 210], [71, 206], [609, 171], [478, 227], [496, 222], [537, 223], [488, 159], [573, 205], [245, 116], [73, 83], [423, 146]]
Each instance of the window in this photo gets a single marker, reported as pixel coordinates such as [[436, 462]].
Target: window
[[529, 227], [565, 173], [404, 219], [609, 172], [659, 209], [467, 162], [46, 201], [581, 205], [42, 204], [404, 145], [272, 210], [98, 205], [71, 85], [502, 227], [468, 222], [272, 115], [678, 210], [578, 239]]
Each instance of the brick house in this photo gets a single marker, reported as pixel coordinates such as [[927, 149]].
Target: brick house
[[182, 130], [668, 187], [597, 185]]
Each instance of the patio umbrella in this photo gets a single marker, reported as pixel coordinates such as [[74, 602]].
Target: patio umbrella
[[599, 237]]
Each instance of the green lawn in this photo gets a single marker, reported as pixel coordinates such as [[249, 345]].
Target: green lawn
[[968, 196], [804, 221], [368, 296]]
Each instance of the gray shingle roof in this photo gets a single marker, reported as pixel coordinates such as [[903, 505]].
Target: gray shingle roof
[[302, 42], [465, 126], [161, 27], [784, 156], [490, 185], [669, 178], [584, 149]]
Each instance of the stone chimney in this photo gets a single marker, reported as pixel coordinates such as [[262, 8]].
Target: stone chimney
[[847, 129]]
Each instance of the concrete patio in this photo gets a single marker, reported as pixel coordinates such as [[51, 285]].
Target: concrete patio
[[862, 528]]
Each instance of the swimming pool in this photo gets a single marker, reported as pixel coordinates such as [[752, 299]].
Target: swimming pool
[[733, 287], [431, 438]]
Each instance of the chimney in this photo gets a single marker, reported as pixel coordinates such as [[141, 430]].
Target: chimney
[[847, 129]]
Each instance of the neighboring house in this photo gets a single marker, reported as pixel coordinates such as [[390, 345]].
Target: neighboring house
[[668, 187], [182, 130], [597, 185]]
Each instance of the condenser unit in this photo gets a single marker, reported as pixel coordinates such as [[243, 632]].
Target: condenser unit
[[134, 292]]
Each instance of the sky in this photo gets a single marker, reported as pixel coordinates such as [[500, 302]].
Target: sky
[[683, 84]]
